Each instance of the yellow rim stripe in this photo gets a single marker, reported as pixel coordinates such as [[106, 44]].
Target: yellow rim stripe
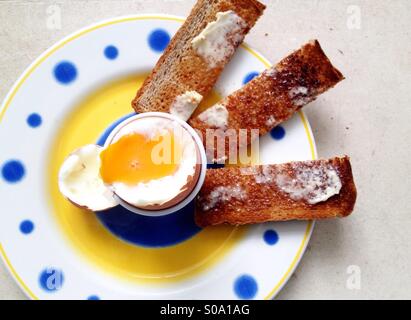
[[15, 274], [293, 263], [98, 26]]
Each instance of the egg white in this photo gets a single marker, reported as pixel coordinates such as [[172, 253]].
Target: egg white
[[80, 180]]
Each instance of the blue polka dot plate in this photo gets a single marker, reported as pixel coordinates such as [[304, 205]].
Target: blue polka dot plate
[[74, 94]]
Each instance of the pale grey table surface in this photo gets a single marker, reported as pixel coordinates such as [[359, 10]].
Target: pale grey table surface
[[367, 117]]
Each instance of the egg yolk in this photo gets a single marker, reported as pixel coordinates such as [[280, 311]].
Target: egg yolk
[[136, 158]]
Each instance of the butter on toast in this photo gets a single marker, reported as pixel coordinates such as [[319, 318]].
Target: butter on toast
[[196, 56], [307, 190], [271, 98]]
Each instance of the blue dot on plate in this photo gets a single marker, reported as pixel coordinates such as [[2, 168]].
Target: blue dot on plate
[[51, 279], [271, 237], [278, 133], [13, 171], [158, 40], [34, 120], [26, 226], [65, 72], [93, 297], [245, 287], [250, 77], [111, 52]]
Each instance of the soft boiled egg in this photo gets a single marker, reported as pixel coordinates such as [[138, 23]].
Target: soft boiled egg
[[151, 163]]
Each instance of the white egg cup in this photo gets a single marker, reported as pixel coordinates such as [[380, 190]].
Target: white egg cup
[[202, 158]]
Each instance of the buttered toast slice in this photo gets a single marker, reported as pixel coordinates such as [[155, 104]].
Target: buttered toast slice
[[197, 54], [271, 98], [306, 190]]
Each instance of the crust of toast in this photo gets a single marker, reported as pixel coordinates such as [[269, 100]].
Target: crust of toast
[[180, 69], [264, 200], [275, 95]]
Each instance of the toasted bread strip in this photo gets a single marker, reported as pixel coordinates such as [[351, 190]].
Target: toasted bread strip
[[271, 98], [197, 54], [306, 190]]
